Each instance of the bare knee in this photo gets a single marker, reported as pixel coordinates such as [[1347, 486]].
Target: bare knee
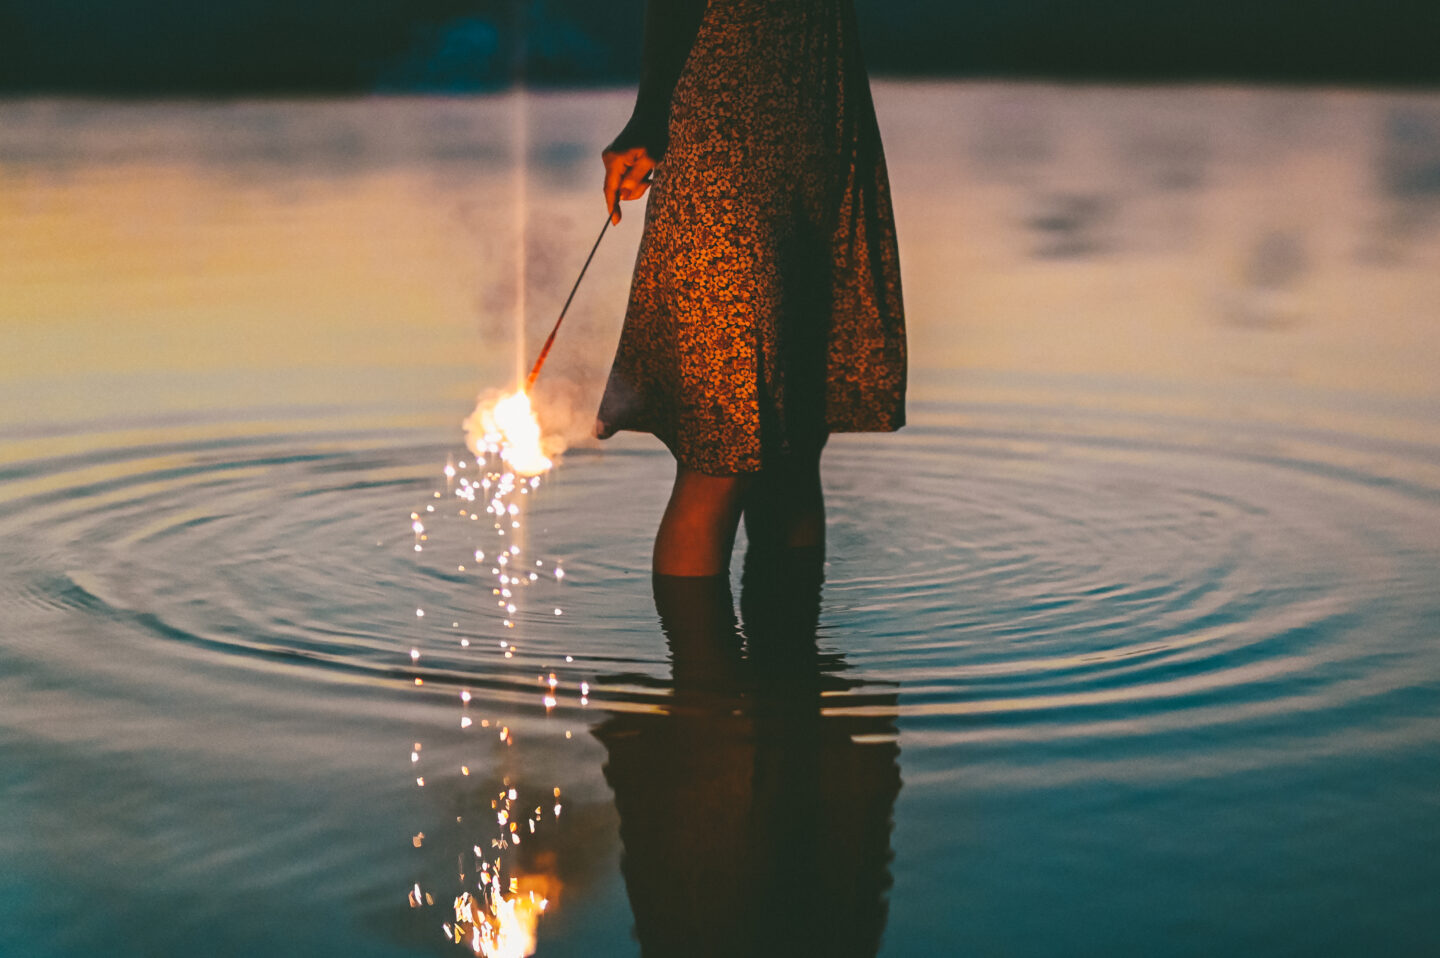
[[698, 529]]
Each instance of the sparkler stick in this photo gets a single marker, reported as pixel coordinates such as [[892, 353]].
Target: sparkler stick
[[550, 340]]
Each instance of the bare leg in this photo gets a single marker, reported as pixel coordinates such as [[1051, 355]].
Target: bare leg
[[698, 530]]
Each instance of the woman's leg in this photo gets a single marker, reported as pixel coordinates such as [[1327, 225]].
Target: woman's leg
[[698, 530], [784, 563], [785, 507]]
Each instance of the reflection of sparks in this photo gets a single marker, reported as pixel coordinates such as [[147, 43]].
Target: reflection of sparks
[[504, 927], [500, 919]]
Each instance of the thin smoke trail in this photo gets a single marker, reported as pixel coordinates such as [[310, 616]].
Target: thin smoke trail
[[521, 136], [520, 130]]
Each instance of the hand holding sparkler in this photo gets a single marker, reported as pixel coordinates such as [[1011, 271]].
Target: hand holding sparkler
[[627, 177]]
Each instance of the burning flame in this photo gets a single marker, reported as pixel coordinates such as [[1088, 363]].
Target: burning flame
[[508, 426]]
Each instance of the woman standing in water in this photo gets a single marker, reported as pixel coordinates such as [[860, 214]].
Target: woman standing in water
[[765, 311]]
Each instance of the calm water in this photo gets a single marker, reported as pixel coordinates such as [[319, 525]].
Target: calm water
[[1126, 646]]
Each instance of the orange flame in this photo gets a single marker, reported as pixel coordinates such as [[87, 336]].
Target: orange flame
[[508, 426]]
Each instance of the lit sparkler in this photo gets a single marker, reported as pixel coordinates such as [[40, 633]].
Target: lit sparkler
[[507, 426]]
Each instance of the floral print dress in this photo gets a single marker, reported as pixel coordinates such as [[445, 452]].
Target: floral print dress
[[765, 311]]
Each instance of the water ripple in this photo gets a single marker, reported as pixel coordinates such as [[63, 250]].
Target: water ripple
[[1110, 579]]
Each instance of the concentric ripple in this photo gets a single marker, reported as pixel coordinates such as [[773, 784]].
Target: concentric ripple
[[1080, 583]]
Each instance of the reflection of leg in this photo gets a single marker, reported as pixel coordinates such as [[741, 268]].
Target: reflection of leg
[[698, 530], [682, 783], [697, 614]]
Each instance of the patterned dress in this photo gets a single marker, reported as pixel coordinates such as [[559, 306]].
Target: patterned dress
[[765, 310]]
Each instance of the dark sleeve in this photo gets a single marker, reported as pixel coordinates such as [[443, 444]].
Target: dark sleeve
[[670, 28]]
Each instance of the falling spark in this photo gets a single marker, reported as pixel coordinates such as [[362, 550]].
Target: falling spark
[[497, 918]]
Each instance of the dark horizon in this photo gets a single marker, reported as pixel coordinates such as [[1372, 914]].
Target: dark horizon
[[268, 47]]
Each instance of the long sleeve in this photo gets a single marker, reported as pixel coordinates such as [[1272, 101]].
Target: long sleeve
[[670, 29]]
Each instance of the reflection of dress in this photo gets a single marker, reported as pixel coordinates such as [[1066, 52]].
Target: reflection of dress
[[765, 310], [753, 825]]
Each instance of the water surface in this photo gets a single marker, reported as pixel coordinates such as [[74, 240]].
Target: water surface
[[1126, 645]]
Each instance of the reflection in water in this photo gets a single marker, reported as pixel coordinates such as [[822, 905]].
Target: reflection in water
[[755, 811], [1408, 172]]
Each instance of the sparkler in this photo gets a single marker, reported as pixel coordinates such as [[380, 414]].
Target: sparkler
[[507, 425], [550, 340]]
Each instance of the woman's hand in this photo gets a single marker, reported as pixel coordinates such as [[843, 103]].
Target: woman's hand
[[627, 177]]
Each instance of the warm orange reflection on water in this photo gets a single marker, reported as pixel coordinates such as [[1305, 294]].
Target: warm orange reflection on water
[[1199, 237], [169, 267]]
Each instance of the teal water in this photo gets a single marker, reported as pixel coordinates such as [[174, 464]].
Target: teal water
[[1125, 646]]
